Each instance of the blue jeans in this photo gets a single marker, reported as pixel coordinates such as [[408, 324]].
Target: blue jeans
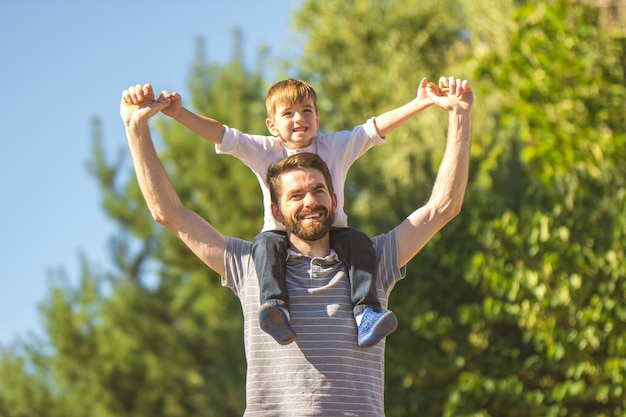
[[355, 251]]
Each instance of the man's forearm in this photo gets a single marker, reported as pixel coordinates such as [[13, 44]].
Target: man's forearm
[[155, 185], [451, 182]]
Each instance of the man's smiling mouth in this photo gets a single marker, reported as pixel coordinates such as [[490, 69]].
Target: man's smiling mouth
[[312, 216]]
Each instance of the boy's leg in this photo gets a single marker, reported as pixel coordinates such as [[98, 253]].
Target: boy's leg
[[269, 254], [356, 252]]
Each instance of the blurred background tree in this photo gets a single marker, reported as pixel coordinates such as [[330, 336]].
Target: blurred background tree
[[515, 309]]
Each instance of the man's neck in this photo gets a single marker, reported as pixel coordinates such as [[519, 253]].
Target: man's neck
[[314, 249]]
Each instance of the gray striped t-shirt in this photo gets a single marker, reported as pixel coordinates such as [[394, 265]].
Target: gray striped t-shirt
[[324, 372]]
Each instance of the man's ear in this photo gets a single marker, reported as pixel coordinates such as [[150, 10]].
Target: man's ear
[[334, 202], [278, 215], [271, 127]]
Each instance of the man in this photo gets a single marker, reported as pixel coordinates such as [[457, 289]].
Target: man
[[324, 372]]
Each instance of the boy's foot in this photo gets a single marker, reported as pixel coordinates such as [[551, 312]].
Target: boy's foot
[[274, 322], [376, 326]]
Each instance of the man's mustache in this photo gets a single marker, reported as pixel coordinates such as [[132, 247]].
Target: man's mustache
[[321, 210]]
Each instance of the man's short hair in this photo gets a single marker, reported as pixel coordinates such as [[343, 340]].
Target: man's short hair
[[288, 92], [296, 161]]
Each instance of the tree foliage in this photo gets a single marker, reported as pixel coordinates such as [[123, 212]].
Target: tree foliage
[[156, 334], [516, 308], [549, 259]]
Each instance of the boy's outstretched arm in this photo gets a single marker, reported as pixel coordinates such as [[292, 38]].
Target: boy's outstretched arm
[[393, 119], [205, 127]]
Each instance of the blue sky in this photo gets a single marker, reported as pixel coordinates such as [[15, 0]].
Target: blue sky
[[64, 63]]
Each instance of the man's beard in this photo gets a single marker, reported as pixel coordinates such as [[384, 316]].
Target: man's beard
[[310, 230]]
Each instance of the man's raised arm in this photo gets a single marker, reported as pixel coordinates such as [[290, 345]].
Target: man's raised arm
[[137, 107], [455, 96]]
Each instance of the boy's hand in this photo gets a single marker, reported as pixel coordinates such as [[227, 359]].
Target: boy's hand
[[173, 103], [422, 98]]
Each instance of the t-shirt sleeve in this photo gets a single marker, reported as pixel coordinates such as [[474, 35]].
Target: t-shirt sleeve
[[389, 273], [350, 145], [372, 133], [238, 265], [252, 150]]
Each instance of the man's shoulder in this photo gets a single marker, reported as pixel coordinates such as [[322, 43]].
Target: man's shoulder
[[235, 245], [238, 257], [384, 239]]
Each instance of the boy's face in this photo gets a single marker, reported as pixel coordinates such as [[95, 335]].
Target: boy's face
[[294, 124]]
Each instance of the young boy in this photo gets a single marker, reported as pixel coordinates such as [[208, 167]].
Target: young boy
[[293, 121]]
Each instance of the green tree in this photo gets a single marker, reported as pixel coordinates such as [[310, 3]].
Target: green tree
[[514, 309], [156, 334], [549, 264]]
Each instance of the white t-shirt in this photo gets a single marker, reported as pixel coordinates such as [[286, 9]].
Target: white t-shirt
[[324, 372], [339, 150]]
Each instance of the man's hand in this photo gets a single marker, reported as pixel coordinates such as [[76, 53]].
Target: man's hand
[[451, 93], [138, 104]]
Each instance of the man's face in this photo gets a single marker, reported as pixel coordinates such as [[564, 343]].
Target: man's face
[[306, 206]]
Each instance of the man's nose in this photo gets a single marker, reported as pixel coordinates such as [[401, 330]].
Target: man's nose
[[310, 200]]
